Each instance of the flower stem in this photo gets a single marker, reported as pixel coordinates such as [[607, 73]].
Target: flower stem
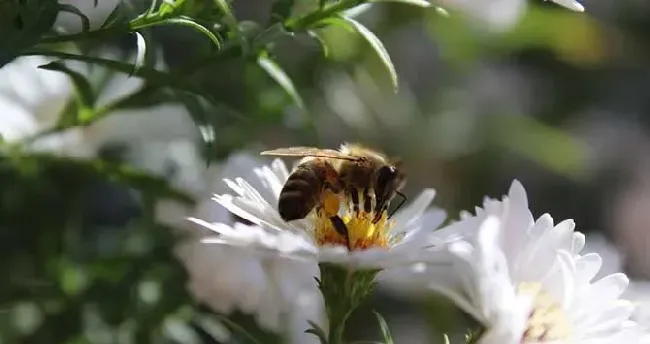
[[343, 290]]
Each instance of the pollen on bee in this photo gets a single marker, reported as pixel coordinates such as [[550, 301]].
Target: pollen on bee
[[362, 233]]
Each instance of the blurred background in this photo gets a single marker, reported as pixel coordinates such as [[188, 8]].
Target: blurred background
[[556, 99]]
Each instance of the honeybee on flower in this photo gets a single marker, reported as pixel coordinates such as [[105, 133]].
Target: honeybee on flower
[[386, 242]]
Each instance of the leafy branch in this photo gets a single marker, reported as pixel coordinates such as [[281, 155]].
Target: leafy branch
[[229, 36]]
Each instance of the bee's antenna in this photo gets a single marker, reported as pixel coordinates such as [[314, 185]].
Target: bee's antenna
[[404, 199]]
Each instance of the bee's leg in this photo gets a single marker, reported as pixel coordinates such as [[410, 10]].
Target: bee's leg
[[379, 213], [367, 201], [341, 228], [354, 196]]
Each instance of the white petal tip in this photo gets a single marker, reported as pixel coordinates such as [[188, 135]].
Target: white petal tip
[[430, 193], [572, 5], [576, 6], [443, 12], [516, 187]]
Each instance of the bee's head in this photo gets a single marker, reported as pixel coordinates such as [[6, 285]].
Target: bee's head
[[388, 180]]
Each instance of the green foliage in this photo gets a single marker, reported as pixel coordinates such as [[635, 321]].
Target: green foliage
[[77, 281], [385, 331], [370, 37], [318, 332]]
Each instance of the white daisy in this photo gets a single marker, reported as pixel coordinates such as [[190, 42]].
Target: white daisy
[[525, 280], [639, 293], [389, 242], [280, 292]]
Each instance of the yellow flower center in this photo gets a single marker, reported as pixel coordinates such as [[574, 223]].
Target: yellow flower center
[[362, 233], [547, 321]]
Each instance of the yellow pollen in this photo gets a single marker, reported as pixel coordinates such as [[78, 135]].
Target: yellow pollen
[[362, 233], [547, 320]]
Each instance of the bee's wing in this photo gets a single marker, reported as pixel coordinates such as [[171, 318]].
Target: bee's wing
[[309, 151]]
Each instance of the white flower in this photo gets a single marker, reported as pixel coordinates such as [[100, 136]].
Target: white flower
[[526, 281], [639, 293], [31, 101], [387, 243], [280, 292]]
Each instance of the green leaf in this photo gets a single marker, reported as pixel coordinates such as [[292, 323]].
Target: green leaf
[[281, 10], [180, 21], [152, 7], [317, 331], [384, 328], [116, 16], [167, 7], [224, 7], [418, 3], [276, 72], [82, 86], [374, 42], [155, 77], [320, 41], [230, 21], [147, 96], [237, 328], [85, 22]]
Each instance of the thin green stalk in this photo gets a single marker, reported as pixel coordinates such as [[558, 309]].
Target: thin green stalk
[[84, 36], [310, 19]]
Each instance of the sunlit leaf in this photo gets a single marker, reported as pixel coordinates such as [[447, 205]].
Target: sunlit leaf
[[85, 22], [320, 40], [168, 7], [152, 7], [180, 21], [374, 42], [384, 329], [276, 72], [357, 11]]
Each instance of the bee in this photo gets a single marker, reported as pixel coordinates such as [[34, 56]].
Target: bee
[[366, 178]]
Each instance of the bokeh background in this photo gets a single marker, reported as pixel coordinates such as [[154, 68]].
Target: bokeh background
[[559, 101]]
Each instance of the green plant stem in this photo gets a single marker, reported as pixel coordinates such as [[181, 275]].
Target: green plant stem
[[84, 36], [343, 289], [314, 17]]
